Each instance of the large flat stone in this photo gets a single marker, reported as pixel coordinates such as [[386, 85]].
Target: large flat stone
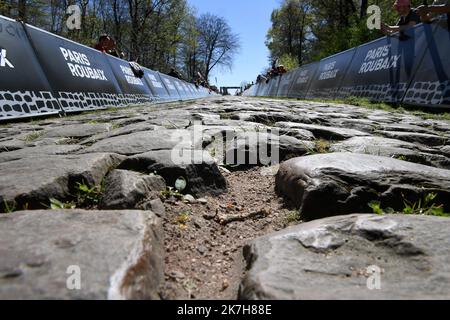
[[38, 151], [119, 254], [77, 130], [328, 133], [329, 260], [142, 142], [30, 182], [343, 183], [196, 166], [262, 148], [128, 190], [422, 138], [385, 147], [132, 128]]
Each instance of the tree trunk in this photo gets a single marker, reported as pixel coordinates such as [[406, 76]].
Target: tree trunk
[[364, 5], [22, 10]]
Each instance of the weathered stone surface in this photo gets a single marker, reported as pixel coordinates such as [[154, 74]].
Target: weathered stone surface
[[128, 190], [196, 166], [422, 138], [11, 144], [30, 182], [398, 149], [77, 130], [327, 133], [399, 127], [258, 148], [343, 183], [446, 150], [132, 128], [33, 152], [172, 123], [300, 134], [205, 116], [142, 142], [360, 124], [119, 254], [269, 118], [329, 259]]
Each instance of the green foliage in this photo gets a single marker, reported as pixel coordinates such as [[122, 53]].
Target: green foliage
[[9, 207], [366, 103], [157, 34], [311, 30], [171, 192], [32, 136], [425, 206], [293, 216], [115, 126], [435, 116], [322, 146], [55, 204], [289, 33], [402, 158], [183, 218], [288, 61], [376, 207], [87, 197]]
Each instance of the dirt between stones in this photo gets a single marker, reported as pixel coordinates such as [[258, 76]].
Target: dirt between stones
[[203, 252]]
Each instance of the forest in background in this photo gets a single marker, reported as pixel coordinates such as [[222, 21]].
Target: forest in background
[[304, 31], [159, 34]]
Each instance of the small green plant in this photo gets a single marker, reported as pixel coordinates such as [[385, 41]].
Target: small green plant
[[55, 204], [310, 150], [88, 197], [376, 208], [9, 207], [425, 207], [293, 216], [171, 192], [371, 105], [115, 126], [402, 158], [32, 136], [182, 219], [225, 115], [322, 146]]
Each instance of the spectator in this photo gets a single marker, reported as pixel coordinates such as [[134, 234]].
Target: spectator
[[427, 13], [261, 79], [107, 45], [408, 18], [281, 69], [175, 74]]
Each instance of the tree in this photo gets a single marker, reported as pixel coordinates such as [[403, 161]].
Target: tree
[[159, 34], [313, 29], [189, 48], [217, 43], [290, 28], [22, 10]]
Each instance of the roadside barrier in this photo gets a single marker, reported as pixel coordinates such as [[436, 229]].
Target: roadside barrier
[[42, 73], [412, 67]]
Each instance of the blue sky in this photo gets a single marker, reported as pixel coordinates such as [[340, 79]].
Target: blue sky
[[251, 20]]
